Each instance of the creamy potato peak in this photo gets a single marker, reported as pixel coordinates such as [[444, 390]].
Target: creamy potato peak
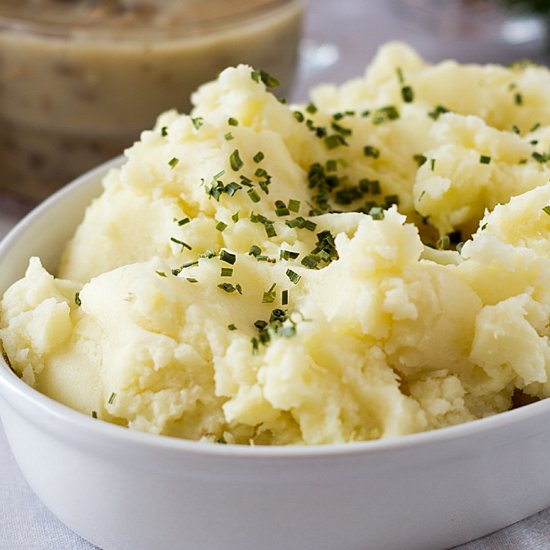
[[371, 264]]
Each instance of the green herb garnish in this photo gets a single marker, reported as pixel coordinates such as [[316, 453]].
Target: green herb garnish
[[288, 254], [371, 151], [227, 257], [197, 122], [438, 111], [407, 94], [258, 157], [270, 295], [253, 194], [235, 161], [181, 243], [293, 276], [294, 205]]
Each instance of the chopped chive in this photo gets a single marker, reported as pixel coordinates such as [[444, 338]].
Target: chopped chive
[[400, 75], [385, 114], [293, 276], [438, 111], [235, 217], [298, 116], [231, 327], [77, 299], [160, 273], [191, 280], [173, 162], [546, 209], [258, 157], [341, 129], [371, 151], [294, 205], [269, 296], [235, 161], [227, 257], [164, 131], [197, 122], [311, 108], [484, 159], [540, 157], [407, 94], [226, 271], [208, 254], [254, 251], [432, 164], [253, 194], [228, 136], [179, 269], [261, 173], [181, 243], [535, 127], [334, 140], [270, 229], [220, 226], [218, 175], [311, 261], [232, 121], [94, 414], [376, 213], [284, 297], [288, 254], [183, 221], [268, 80], [515, 129], [420, 159], [231, 188], [112, 398], [518, 99]]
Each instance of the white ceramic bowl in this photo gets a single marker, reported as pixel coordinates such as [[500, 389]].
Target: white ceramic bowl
[[124, 490]]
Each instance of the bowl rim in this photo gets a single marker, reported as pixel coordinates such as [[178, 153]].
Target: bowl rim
[[18, 394]]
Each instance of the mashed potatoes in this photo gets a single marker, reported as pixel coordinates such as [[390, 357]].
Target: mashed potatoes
[[372, 264]]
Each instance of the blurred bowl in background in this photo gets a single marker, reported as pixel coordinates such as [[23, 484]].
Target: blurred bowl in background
[[79, 80]]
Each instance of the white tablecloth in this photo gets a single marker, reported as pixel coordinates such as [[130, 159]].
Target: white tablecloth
[[350, 31]]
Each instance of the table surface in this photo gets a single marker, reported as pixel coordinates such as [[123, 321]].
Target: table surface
[[338, 44]]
